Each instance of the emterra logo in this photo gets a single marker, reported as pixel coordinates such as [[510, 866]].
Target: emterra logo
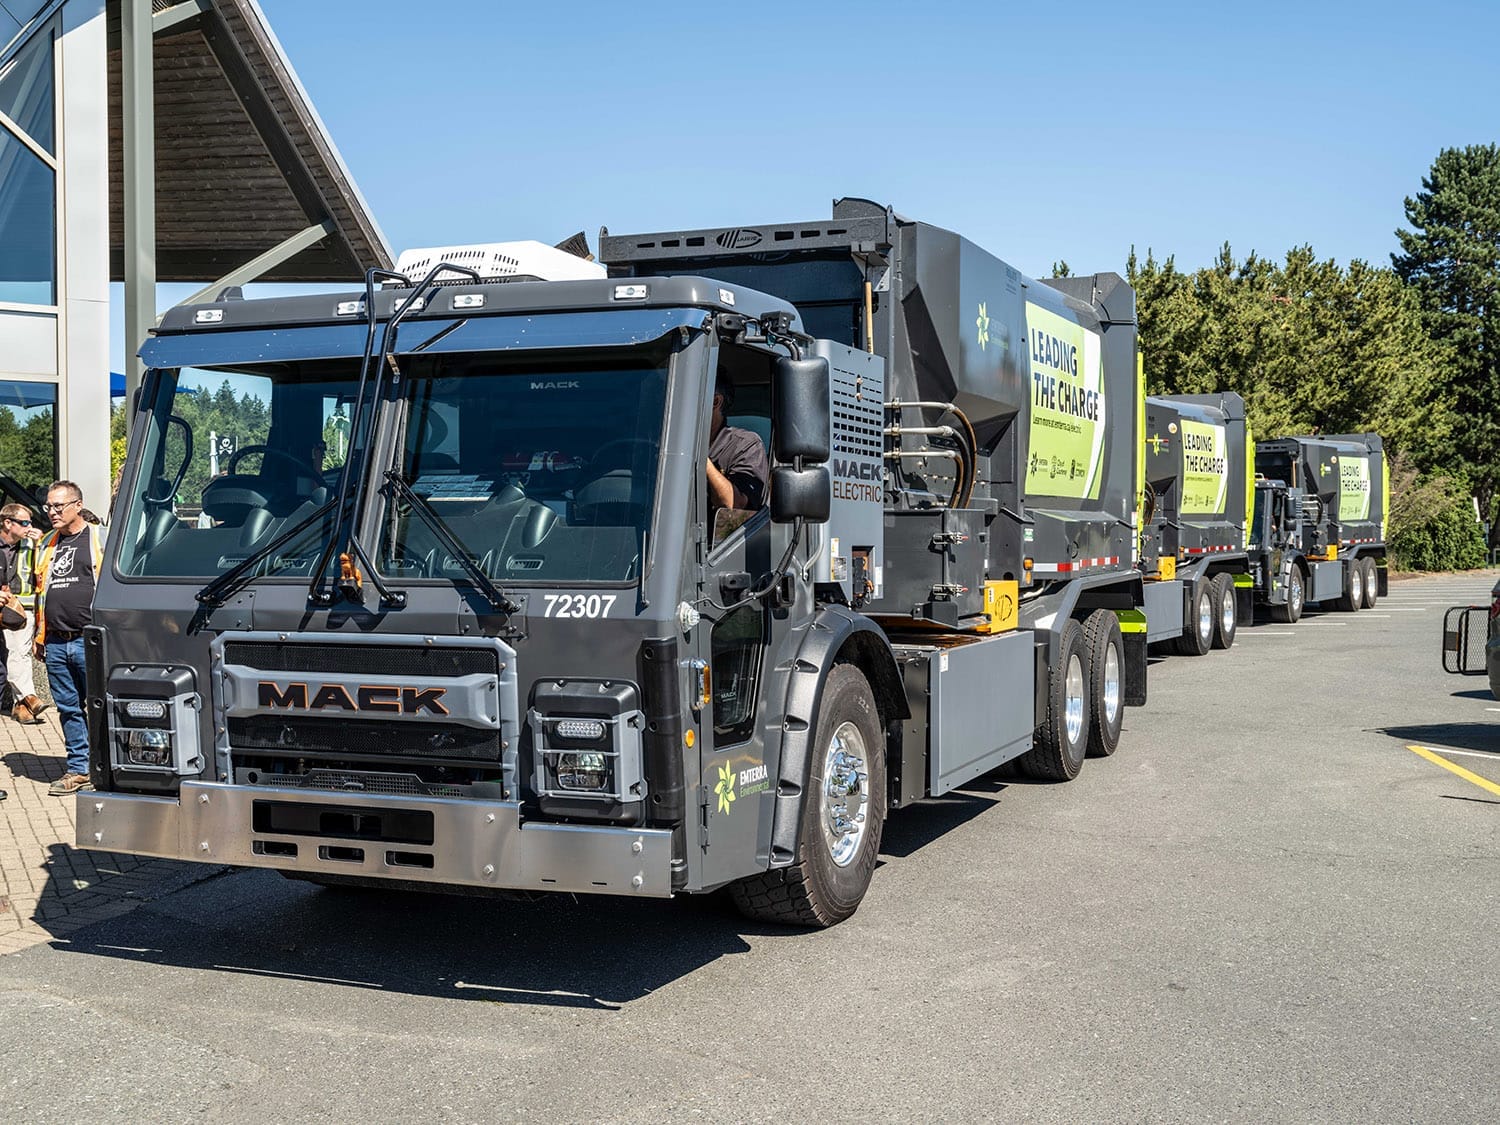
[[725, 789], [377, 698], [983, 324]]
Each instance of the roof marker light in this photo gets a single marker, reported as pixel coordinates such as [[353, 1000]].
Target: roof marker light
[[208, 316], [468, 300], [631, 292], [349, 308]]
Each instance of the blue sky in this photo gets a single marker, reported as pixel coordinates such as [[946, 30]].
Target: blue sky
[[1040, 131]]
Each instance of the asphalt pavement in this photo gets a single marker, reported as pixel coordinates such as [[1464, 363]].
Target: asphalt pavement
[[1265, 906]]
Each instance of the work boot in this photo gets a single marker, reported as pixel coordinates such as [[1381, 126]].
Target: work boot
[[69, 783], [36, 706], [22, 714]]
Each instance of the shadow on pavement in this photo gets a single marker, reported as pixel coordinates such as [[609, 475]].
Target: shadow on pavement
[[1484, 737], [1483, 693], [37, 767], [557, 951]]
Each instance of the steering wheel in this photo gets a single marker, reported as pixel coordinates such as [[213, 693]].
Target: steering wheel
[[599, 457], [303, 467]]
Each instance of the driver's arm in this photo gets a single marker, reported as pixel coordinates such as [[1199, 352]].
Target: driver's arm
[[721, 490]]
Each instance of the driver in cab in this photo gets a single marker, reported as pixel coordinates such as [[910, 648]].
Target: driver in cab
[[738, 472]]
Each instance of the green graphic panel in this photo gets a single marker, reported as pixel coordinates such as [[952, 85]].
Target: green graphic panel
[[1354, 487], [1067, 407], [1205, 469]]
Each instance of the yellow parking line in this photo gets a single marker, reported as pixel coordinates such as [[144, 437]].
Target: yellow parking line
[[1438, 760]]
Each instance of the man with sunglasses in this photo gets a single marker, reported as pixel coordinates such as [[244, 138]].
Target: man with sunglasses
[[18, 540], [66, 568]]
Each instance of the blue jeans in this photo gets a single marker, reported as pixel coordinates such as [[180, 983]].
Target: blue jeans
[[69, 684]]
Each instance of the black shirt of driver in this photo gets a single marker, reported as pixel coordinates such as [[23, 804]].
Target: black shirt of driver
[[741, 457], [70, 583]]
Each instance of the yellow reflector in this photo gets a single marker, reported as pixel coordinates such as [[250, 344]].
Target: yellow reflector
[[688, 738]]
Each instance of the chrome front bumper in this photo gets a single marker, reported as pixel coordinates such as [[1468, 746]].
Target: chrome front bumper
[[472, 843]]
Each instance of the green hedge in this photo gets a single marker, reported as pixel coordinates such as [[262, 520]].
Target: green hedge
[[1451, 540]]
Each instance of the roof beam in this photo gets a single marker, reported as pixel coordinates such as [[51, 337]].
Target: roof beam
[[169, 18], [272, 258]]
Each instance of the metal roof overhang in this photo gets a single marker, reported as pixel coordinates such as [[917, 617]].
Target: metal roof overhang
[[245, 173]]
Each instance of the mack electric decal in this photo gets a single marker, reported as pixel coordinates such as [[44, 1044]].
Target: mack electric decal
[[1205, 468], [1354, 487], [1067, 407]]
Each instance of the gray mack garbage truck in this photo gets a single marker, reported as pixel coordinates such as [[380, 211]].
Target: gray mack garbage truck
[[1199, 489], [456, 614], [1318, 527]]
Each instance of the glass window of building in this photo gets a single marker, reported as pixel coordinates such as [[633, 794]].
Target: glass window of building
[[28, 225], [28, 180], [26, 91], [28, 436]]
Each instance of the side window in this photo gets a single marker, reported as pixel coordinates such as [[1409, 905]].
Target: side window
[[737, 646]]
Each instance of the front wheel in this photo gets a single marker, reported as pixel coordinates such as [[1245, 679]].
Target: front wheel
[[1061, 744], [1199, 635], [843, 815], [1290, 611], [1227, 618], [1353, 597], [1106, 651], [1372, 583]]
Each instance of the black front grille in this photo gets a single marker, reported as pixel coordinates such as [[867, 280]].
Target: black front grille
[[373, 660], [297, 736], [351, 781]]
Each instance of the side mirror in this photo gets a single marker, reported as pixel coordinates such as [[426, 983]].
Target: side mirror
[[801, 441], [801, 425], [805, 494]]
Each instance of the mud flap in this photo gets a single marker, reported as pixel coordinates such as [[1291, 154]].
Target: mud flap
[[1244, 598], [1133, 633]]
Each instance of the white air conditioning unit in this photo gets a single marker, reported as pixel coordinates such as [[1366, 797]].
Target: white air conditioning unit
[[500, 259]]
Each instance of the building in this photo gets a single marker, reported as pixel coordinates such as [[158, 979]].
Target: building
[[145, 141]]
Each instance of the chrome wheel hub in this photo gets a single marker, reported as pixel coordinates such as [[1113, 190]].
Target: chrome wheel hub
[[1111, 684], [1226, 612], [846, 796], [1073, 700], [1206, 619]]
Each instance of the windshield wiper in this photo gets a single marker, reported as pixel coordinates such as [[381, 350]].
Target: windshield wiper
[[238, 575], [497, 597]]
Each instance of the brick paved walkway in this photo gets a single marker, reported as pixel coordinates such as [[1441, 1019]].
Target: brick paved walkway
[[49, 888]]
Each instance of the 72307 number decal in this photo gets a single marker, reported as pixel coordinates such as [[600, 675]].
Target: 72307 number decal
[[577, 605]]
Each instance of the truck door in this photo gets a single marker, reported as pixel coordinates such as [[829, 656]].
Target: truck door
[[735, 774]]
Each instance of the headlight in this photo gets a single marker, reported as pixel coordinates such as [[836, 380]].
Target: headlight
[[148, 747], [587, 772]]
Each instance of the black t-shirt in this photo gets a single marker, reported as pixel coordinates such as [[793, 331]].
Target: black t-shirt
[[70, 583], [741, 457]]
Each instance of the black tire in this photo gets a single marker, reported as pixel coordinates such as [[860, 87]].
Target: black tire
[[819, 889], [1290, 611], [1198, 631], [1058, 750], [1372, 583], [1226, 611], [1353, 598], [1101, 640]]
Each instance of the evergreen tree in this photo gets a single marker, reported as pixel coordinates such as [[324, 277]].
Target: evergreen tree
[[1451, 260]]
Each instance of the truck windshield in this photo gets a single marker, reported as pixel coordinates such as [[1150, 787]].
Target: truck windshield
[[544, 472], [231, 458]]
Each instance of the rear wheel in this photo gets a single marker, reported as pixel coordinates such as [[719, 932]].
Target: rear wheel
[[1353, 597], [1198, 637], [1227, 618], [1106, 651], [1061, 744], [1289, 612], [843, 814], [1372, 583]]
